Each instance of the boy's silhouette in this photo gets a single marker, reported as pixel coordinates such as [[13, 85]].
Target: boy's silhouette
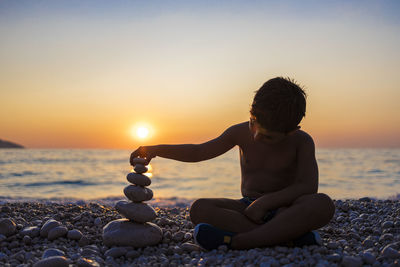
[[280, 203]]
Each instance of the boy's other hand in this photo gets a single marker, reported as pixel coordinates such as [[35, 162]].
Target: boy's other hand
[[146, 152], [254, 213]]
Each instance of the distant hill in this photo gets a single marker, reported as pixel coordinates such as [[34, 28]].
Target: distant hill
[[7, 144]]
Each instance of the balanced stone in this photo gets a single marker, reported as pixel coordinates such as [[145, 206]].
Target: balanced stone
[[138, 179], [139, 161], [7, 227], [122, 232], [138, 212], [137, 193], [139, 168]]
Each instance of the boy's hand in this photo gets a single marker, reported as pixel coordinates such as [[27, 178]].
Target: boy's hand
[[255, 213], [147, 152]]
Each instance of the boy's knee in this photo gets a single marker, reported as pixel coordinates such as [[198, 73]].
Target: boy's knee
[[327, 205], [198, 209], [319, 205]]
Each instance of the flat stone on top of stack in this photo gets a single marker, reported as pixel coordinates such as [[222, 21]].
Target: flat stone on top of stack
[[136, 230]]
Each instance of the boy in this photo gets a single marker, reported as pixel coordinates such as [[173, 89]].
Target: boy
[[280, 203]]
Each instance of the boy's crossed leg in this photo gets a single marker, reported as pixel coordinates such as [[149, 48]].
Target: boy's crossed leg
[[307, 213], [223, 213]]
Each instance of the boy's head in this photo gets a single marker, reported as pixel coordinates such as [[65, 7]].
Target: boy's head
[[279, 105]]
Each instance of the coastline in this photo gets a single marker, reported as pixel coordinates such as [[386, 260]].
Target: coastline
[[363, 232]]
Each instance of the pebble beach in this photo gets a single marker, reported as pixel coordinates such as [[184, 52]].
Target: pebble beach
[[363, 232]]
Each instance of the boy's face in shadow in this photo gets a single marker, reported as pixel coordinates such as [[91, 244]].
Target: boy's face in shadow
[[265, 136]]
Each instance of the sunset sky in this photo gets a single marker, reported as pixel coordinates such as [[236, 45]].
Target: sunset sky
[[82, 74]]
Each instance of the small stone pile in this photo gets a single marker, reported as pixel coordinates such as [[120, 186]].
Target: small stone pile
[[136, 230]]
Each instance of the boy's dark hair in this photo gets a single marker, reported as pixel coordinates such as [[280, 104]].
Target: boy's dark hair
[[279, 105]]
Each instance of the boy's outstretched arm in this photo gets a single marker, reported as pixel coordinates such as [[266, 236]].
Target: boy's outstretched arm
[[306, 182], [190, 152]]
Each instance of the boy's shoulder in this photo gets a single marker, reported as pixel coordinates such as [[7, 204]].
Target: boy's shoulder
[[240, 128], [303, 136], [303, 140]]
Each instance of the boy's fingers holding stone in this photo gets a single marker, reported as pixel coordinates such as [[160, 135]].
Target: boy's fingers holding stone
[[135, 154]]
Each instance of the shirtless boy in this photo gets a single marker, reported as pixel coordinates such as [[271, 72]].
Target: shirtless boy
[[280, 203]]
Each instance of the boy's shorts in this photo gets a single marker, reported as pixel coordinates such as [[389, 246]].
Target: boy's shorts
[[267, 217]]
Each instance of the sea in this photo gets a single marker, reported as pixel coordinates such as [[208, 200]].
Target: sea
[[92, 174]]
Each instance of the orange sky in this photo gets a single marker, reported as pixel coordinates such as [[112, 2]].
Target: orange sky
[[74, 76]]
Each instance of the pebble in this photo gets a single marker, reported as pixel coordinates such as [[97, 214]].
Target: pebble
[[368, 258], [55, 261], [187, 236], [84, 262], [57, 232], [32, 231], [352, 261], [189, 247], [335, 257], [332, 245], [389, 252], [139, 168], [47, 226], [368, 243], [138, 212], [74, 234], [27, 240], [3, 256], [84, 241], [178, 236], [50, 252], [116, 252], [138, 193], [122, 232], [7, 227], [97, 221], [386, 237], [387, 224], [87, 252], [132, 254], [138, 179]]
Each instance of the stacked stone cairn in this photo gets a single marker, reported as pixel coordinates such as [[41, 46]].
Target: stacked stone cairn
[[136, 230]]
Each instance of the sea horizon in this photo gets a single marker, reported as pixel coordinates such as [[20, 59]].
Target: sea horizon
[[101, 173]]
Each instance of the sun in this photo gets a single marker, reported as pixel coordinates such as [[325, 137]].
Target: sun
[[142, 132]]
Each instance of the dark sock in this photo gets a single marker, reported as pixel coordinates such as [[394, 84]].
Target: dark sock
[[308, 239], [210, 237]]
